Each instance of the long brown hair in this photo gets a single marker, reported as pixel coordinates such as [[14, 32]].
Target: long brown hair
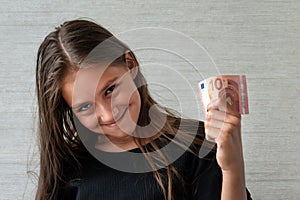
[[62, 51]]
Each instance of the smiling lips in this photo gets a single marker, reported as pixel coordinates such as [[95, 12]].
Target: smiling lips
[[113, 124]]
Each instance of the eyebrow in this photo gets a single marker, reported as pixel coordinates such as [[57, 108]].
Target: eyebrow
[[76, 106]]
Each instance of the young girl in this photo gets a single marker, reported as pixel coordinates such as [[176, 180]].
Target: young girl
[[102, 136]]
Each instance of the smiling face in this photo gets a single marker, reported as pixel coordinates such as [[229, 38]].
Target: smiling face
[[105, 101]]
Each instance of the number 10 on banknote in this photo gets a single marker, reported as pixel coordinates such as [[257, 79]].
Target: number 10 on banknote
[[231, 87]]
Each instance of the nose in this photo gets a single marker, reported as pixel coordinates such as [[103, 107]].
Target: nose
[[106, 113]]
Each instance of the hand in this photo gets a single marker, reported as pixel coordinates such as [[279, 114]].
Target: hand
[[223, 126]]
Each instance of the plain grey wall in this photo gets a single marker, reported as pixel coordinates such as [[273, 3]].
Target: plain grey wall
[[258, 38]]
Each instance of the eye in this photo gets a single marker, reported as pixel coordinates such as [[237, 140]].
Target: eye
[[110, 90], [84, 107]]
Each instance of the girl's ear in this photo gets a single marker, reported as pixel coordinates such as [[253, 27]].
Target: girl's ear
[[131, 63]]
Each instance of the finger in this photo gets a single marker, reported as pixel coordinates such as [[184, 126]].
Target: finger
[[213, 105], [222, 105], [212, 133], [229, 127], [229, 131], [224, 117], [232, 110], [208, 138], [214, 123], [217, 104]]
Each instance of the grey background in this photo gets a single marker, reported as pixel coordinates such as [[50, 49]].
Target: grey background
[[258, 38]]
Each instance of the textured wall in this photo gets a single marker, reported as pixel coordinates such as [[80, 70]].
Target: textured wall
[[258, 38]]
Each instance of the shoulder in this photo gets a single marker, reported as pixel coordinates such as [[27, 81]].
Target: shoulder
[[191, 133], [197, 165], [199, 155]]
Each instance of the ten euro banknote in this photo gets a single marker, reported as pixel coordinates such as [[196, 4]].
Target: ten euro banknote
[[232, 87]]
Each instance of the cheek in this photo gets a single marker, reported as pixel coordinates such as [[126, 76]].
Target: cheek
[[127, 94], [135, 99], [129, 98], [135, 106], [132, 99], [89, 121]]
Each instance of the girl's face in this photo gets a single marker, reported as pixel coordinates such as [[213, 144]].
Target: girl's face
[[105, 101]]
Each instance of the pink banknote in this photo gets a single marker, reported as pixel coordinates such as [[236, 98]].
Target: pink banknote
[[232, 87]]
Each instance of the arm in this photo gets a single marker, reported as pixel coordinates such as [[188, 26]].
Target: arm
[[233, 185], [223, 126]]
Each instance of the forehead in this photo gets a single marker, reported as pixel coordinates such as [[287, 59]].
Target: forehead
[[93, 72]]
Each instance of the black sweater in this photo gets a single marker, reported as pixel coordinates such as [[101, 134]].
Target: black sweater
[[201, 179]]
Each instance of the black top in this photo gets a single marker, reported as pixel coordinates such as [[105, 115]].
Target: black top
[[201, 179]]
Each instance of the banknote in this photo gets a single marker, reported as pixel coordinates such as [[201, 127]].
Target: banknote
[[233, 88]]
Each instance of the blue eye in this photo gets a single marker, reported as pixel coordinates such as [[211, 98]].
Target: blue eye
[[110, 90], [84, 107]]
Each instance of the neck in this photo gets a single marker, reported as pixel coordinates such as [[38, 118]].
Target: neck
[[112, 144]]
